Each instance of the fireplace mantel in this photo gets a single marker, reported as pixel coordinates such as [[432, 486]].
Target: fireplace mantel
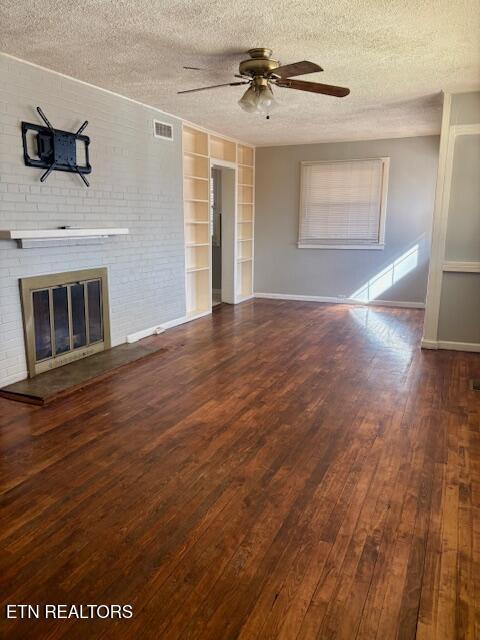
[[28, 238]]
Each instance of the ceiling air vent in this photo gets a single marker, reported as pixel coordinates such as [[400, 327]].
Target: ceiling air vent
[[162, 130]]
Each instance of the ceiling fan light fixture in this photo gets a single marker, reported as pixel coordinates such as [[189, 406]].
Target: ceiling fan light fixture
[[258, 98], [265, 99], [248, 102]]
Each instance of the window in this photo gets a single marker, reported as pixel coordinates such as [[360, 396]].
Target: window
[[342, 204]]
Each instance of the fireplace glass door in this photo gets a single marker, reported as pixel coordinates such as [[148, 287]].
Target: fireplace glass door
[[67, 319]]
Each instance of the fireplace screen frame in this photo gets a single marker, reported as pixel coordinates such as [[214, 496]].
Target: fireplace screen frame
[[49, 282]]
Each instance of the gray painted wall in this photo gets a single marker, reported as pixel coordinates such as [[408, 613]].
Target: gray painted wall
[[465, 108], [280, 267], [459, 318], [463, 228], [459, 315], [136, 182]]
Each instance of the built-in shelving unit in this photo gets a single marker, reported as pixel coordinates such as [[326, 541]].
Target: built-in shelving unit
[[200, 151], [245, 219], [196, 177], [221, 149]]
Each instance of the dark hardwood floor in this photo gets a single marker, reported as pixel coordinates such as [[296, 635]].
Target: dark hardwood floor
[[284, 470]]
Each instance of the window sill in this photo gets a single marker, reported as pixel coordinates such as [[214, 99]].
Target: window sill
[[368, 247]]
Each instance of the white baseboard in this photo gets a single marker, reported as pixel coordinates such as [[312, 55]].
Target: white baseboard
[[397, 303], [144, 333], [240, 299], [302, 298], [429, 344], [160, 328], [448, 345], [174, 323], [336, 300]]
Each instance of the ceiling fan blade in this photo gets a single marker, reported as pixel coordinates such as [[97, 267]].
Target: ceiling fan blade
[[314, 87], [214, 86], [297, 69]]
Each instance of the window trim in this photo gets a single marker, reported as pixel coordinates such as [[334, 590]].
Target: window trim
[[378, 246]]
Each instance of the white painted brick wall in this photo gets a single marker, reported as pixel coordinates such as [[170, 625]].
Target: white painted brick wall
[[136, 182]]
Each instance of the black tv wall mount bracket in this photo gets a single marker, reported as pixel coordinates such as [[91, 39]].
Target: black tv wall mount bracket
[[56, 149]]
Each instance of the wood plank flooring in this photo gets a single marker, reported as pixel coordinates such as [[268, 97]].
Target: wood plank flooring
[[284, 470]]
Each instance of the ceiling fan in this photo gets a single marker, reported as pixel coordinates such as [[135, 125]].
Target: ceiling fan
[[261, 72]]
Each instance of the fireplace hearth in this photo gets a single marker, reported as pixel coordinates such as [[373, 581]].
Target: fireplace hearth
[[65, 317]]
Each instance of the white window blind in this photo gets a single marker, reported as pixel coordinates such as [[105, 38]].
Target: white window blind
[[342, 204]]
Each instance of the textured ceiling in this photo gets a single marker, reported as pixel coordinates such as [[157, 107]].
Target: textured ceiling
[[395, 55]]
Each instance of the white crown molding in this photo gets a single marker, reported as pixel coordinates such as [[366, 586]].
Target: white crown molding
[[353, 140], [119, 95]]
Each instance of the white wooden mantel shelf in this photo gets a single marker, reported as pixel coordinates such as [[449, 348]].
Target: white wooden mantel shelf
[[28, 238]]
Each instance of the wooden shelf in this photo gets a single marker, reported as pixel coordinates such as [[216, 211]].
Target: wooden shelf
[[244, 278], [196, 167], [195, 177], [198, 290], [71, 232], [196, 211], [245, 239], [196, 221], [197, 155], [244, 221], [195, 190], [194, 269], [244, 259], [36, 238], [245, 176], [250, 203], [196, 234], [195, 141], [245, 155], [197, 258], [222, 149]]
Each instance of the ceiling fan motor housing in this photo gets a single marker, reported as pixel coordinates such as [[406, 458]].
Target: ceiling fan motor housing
[[260, 63]]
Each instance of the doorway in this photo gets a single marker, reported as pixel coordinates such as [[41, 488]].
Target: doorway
[[222, 225]]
